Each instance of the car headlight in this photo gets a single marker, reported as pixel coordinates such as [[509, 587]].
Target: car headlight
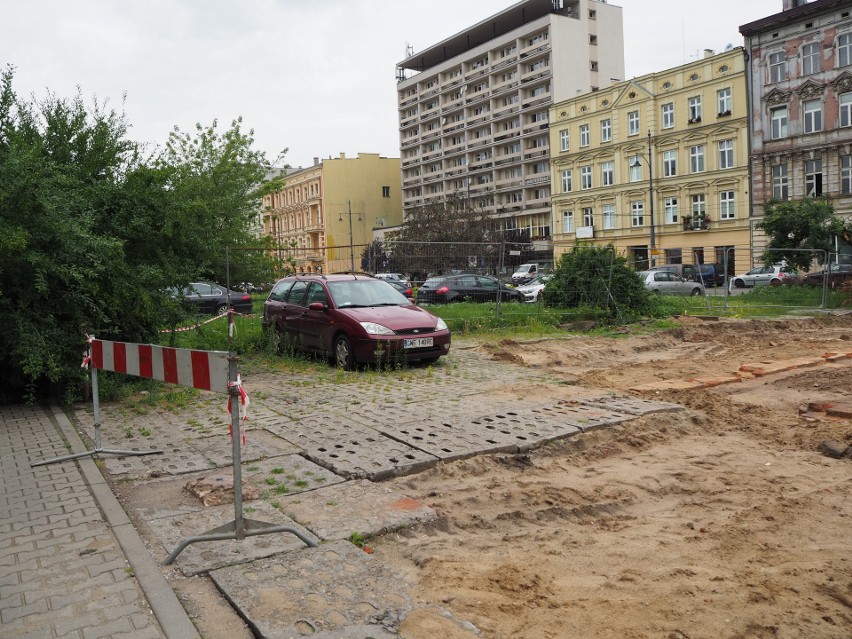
[[441, 325], [376, 329]]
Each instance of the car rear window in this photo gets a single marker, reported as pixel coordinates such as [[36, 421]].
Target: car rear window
[[434, 282]]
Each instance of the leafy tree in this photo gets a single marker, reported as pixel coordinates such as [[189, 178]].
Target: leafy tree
[[795, 227], [595, 276], [92, 235]]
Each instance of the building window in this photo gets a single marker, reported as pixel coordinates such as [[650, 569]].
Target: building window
[[726, 154], [637, 213], [669, 163], [777, 67], [844, 49], [813, 178], [846, 109], [588, 217], [696, 158], [812, 110], [846, 174], [699, 209], [385, 191], [780, 190], [606, 130], [607, 174], [585, 177], [694, 109], [609, 216], [584, 135], [564, 140], [727, 207], [810, 58], [724, 100], [567, 221], [633, 123], [668, 115], [566, 181], [778, 123], [635, 164], [670, 209]]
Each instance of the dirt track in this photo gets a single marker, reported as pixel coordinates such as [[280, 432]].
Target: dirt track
[[720, 521]]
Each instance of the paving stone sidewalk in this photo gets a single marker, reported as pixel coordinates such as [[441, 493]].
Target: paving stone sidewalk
[[71, 564]]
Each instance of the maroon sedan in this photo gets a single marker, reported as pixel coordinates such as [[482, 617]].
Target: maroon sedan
[[352, 319]]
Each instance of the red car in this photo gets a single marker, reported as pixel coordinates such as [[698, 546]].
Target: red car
[[352, 319]]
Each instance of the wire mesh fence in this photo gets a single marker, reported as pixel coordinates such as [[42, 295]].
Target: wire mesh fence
[[738, 281]]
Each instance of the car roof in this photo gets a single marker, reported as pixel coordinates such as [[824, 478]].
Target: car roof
[[334, 277]]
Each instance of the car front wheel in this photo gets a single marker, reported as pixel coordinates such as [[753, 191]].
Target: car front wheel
[[343, 356], [696, 291], [739, 283]]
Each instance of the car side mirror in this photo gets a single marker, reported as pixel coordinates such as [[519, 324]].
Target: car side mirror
[[317, 306]]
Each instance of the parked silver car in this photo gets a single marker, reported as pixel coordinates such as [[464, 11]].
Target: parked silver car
[[532, 288], [670, 283], [762, 275]]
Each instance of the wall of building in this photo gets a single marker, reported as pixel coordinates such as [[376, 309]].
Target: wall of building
[[620, 203]]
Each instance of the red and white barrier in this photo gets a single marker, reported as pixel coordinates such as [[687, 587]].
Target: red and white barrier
[[206, 370]]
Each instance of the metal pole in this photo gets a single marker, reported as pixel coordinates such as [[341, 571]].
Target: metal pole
[[351, 246], [651, 198]]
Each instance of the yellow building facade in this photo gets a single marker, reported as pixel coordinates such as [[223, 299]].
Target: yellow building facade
[[657, 166], [324, 216]]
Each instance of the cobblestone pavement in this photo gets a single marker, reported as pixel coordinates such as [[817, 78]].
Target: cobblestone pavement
[[65, 544]]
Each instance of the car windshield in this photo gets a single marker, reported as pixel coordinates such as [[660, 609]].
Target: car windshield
[[541, 279], [364, 293]]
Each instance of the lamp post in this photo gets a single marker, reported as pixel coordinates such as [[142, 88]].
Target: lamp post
[[351, 244], [650, 161]]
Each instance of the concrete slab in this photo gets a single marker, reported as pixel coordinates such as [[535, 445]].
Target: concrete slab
[[335, 512], [581, 416], [335, 591], [632, 405], [259, 443], [287, 475], [204, 556]]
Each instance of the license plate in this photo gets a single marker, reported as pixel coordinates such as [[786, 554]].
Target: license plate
[[417, 342]]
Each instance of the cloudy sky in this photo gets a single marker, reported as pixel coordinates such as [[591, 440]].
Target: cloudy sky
[[315, 77]]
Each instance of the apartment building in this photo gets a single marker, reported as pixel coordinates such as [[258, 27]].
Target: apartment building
[[325, 214], [800, 86], [473, 119], [657, 166]]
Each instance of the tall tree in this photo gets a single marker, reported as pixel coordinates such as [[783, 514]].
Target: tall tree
[[801, 231]]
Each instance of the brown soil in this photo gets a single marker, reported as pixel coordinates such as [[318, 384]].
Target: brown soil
[[721, 520]]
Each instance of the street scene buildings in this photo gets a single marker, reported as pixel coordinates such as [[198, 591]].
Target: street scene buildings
[[527, 116]]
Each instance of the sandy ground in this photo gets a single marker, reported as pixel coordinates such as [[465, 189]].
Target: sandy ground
[[722, 520]]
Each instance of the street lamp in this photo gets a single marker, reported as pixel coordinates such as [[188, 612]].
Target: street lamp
[[650, 162], [351, 244]]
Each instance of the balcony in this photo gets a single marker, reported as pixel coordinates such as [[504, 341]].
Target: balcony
[[696, 224]]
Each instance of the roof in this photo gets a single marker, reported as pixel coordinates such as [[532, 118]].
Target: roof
[[792, 16], [492, 27]]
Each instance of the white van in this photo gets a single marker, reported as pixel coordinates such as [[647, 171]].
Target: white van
[[524, 273]]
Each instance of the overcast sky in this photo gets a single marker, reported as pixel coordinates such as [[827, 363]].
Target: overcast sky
[[315, 77]]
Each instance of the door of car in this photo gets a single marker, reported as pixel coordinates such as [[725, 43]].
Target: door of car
[[314, 326], [668, 283], [758, 276], [486, 289], [203, 296], [290, 312], [467, 287]]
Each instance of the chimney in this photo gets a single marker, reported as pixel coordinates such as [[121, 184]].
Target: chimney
[[792, 4], [316, 160], [709, 53]]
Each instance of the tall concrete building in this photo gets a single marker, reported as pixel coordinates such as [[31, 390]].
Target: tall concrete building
[[325, 214], [800, 89], [473, 117], [690, 205]]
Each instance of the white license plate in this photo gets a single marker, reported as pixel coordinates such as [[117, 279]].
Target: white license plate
[[417, 342]]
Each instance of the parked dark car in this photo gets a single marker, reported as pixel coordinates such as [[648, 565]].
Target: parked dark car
[[402, 287], [836, 273], [205, 297], [707, 274], [352, 319], [465, 288]]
